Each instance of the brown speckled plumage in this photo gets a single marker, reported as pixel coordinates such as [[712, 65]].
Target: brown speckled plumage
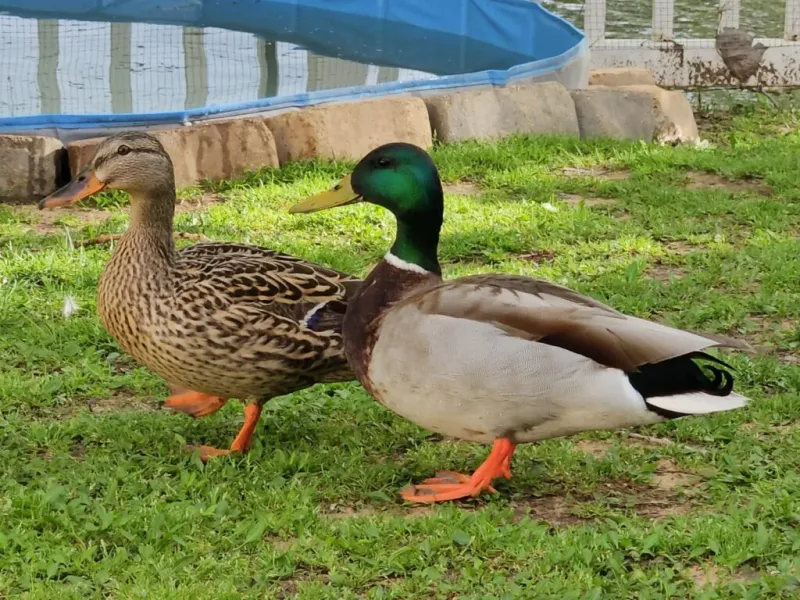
[[224, 319]]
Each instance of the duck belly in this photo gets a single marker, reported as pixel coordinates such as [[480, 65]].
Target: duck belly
[[471, 380]]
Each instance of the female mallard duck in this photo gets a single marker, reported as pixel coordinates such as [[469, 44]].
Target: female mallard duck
[[215, 320], [501, 359]]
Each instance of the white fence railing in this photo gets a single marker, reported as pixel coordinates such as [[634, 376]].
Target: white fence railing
[[698, 63]]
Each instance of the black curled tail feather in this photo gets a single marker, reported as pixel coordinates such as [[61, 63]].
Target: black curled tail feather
[[682, 375]]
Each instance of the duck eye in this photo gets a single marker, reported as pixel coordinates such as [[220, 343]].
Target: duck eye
[[384, 161], [123, 150]]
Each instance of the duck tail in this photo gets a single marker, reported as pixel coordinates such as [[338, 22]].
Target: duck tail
[[687, 385]]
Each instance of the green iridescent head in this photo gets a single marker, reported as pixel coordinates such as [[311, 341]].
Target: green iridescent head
[[403, 179]]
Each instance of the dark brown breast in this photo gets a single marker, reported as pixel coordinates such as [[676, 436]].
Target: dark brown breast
[[384, 286]]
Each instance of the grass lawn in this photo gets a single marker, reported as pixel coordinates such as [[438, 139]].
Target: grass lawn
[[99, 500]]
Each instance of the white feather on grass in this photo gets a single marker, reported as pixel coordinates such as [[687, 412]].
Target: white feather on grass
[[70, 306]]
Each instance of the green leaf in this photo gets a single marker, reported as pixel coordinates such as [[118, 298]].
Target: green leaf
[[462, 538]]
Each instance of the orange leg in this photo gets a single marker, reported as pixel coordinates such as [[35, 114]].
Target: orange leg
[[196, 404], [453, 486], [252, 412]]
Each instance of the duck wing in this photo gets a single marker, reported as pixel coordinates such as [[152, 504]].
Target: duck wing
[[547, 313]]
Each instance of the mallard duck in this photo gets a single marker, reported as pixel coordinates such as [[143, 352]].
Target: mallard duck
[[215, 320], [502, 359]]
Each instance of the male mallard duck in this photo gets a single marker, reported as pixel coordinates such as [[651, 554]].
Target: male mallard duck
[[216, 320], [496, 358]]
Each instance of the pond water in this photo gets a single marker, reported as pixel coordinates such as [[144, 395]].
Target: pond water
[[693, 18]]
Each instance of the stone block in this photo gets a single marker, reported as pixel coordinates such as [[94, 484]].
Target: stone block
[[623, 76], [615, 113], [544, 108], [216, 150], [30, 166], [675, 122], [349, 130]]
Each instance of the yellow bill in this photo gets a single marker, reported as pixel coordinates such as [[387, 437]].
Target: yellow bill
[[83, 186], [341, 194]]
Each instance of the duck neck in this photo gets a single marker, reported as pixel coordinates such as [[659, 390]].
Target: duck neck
[[416, 242], [150, 229], [415, 246]]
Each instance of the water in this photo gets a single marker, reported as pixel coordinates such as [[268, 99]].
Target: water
[[693, 18]]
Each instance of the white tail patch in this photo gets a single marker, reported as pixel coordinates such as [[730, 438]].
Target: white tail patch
[[698, 403], [399, 263]]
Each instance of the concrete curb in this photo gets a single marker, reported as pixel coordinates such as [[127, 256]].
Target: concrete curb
[[623, 104]]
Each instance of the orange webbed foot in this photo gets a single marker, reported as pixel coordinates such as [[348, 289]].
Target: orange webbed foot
[[196, 404], [241, 444], [455, 486], [207, 452]]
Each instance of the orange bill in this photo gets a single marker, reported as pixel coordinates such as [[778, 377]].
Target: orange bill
[[83, 186]]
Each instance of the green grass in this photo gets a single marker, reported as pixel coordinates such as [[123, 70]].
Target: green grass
[[99, 500]]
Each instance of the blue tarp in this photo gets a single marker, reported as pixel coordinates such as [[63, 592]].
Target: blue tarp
[[467, 41]]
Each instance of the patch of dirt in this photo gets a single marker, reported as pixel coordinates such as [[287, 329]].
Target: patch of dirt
[[596, 172], [535, 256], [555, 510], [679, 247], [344, 511], [645, 501], [77, 451], [698, 180], [764, 333], [597, 448], [279, 544], [200, 203], [44, 222], [647, 442], [664, 272], [289, 587], [120, 402], [709, 574], [576, 199], [538, 256], [461, 188], [771, 324], [669, 476], [788, 428], [670, 495]]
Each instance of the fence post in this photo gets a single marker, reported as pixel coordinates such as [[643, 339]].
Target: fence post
[[663, 19], [196, 67], [729, 14], [119, 70], [791, 24], [594, 20], [47, 67]]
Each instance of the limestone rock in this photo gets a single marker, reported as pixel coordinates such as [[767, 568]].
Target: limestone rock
[[503, 111], [621, 76], [616, 113], [216, 150], [349, 130], [675, 122], [32, 166]]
